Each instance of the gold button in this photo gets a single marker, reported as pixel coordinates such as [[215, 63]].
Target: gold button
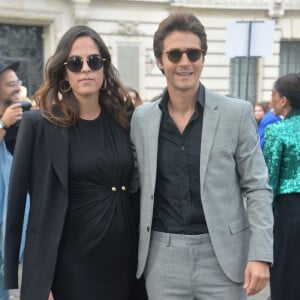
[[114, 189], [123, 188]]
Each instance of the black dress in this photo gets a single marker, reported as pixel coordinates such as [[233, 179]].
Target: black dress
[[97, 253]]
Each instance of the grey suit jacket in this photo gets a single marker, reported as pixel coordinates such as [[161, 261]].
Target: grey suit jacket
[[234, 187]]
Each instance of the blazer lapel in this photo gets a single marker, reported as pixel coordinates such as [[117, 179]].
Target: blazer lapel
[[210, 123], [58, 145], [152, 138]]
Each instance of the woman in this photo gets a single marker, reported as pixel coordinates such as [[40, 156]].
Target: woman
[[282, 153], [135, 97], [74, 157], [260, 110]]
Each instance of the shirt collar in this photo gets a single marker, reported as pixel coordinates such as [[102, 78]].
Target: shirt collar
[[163, 105], [293, 112]]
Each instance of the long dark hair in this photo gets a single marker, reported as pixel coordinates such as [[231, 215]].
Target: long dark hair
[[63, 109]]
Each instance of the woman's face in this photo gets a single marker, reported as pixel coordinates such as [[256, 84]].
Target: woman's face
[[258, 113], [85, 82], [132, 95]]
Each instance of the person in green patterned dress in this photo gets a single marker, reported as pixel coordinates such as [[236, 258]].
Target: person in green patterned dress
[[282, 154]]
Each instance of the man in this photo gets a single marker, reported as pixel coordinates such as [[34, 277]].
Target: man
[[198, 156], [10, 87]]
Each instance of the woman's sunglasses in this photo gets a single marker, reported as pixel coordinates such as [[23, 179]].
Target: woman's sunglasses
[[193, 54], [74, 63]]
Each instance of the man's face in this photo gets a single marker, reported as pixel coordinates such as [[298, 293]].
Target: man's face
[[183, 75], [9, 86]]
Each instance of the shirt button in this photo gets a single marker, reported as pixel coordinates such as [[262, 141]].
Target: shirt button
[[182, 148], [148, 229]]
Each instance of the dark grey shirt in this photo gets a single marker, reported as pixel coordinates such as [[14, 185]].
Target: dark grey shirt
[[178, 207]]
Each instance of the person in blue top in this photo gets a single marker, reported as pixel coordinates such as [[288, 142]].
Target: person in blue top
[[10, 87], [267, 119]]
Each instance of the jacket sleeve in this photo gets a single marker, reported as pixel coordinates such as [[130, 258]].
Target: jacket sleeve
[[18, 187], [273, 152], [254, 179]]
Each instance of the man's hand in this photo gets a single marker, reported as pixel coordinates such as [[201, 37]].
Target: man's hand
[[257, 275], [12, 114]]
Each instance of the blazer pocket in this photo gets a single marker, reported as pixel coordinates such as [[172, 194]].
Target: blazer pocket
[[223, 148], [238, 225]]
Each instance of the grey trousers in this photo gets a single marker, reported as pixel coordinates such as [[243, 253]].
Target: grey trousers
[[184, 267]]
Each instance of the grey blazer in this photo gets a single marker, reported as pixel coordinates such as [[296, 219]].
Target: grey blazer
[[234, 187]]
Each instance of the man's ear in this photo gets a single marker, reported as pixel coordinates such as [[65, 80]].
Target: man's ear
[[159, 64]]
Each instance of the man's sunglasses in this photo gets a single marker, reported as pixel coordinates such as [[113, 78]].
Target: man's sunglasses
[[74, 63], [193, 54]]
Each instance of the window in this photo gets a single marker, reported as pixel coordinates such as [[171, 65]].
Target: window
[[128, 65], [243, 78], [24, 44], [289, 57]]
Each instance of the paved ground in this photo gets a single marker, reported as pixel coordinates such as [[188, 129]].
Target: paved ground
[[14, 295]]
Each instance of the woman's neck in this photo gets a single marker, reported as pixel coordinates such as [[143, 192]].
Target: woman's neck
[[90, 108]]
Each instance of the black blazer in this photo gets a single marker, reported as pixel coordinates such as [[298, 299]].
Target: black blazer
[[40, 165]]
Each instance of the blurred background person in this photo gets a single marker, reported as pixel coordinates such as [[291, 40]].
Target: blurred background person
[[23, 97], [282, 154], [11, 113], [260, 109], [268, 118], [77, 163], [10, 110], [135, 97]]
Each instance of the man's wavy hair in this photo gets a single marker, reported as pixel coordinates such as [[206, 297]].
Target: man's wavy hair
[[180, 21], [62, 108]]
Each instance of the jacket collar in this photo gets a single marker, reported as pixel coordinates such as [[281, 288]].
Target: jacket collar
[[58, 144]]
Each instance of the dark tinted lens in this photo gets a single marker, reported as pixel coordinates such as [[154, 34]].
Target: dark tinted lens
[[174, 55], [74, 63], [95, 62], [193, 54]]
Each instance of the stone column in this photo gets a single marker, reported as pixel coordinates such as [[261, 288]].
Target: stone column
[[81, 11]]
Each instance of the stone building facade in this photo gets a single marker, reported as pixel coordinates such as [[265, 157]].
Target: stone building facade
[[127, 27]]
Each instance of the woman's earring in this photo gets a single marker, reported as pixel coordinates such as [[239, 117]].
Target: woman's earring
[[64, 86], [104, 85], [59, 96]]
